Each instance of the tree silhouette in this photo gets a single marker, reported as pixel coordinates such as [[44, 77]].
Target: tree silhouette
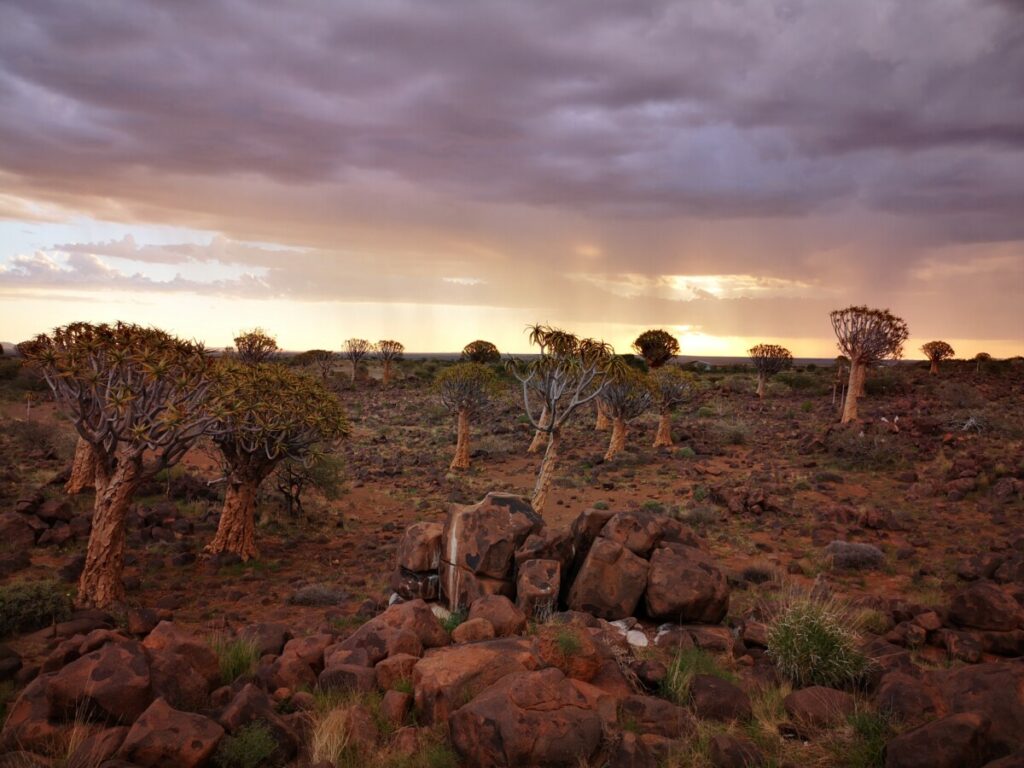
[[866, 336], [672, 386], [769, 359], [481, 351], [936, 352], [389, 351], [657, 347], [465, 390], [355, 351], [625, 395], [255, 346]]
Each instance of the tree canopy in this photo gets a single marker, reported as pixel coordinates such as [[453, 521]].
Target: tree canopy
[[656, 346], [255, 346], [867, 335], [937, 350], [466, 387], [481, 351], [770, 359]]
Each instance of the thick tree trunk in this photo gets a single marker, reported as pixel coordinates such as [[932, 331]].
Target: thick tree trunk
[[934, 368], [461, 459], [355, 370], [387, 372], [618, 438], [862, 379], [236, 531], [603, 422], [546, 474], [100, 584], [83, 469], [850, 405], [540, 436], [663, 437], [761, 379]]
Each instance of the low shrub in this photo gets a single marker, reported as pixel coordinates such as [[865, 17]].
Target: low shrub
[[31, 605], [815, 642], [682, 669], [237, 657], [253, 746]]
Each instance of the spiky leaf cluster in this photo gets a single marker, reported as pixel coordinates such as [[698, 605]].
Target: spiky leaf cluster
[[672, 386], [656, 346], [937, 350], [268, 413], [868, 335], [770, 359], [481, 351], [389, 350], [466, 387], [815, 642], [126, 386], [626, 395], [255, 346]]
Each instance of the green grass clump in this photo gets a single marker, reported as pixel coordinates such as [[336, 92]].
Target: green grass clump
[[29, 605], [253, 746], [686, 452], [237, 657], [453, 619], [681, 671], [815, 642], [866, 746], [568, 642]]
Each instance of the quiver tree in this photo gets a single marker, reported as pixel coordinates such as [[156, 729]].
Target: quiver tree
[[769, 359], [130, 392], [321, 360], [866, 336], [981, 357], [568, 374], [936, 352], [255, 346], [551, 341], [480, 351], [83, 469], [465, 389], [671, 387], [389, 351], [264, 414], [355, 351], [657, 347], [625, 395]]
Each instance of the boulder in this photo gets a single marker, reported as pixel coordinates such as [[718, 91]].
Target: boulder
[[547, 544], [716, 699], [473, 630], [571, 649], [413, 585], [684, 586], [183, 666], [643, 750], [164, 736], [115, 679], [610, 582], [637, 531], [818, 706], [420, 547], [656, 716], [855, 556], [266, 637], [994, 690], [911, 700], [28, 724], [253, 705], [957, 741], [530, 718], [984, 605], [395, 669], [414, 617], [501, 613], [10, 662], [537, 587], [727, 751], [17, 534], [98, 747]]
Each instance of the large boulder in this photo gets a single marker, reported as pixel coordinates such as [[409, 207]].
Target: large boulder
[[910, 699], [610, 582], [379, 635], [164, 736], [183, 667], [818, 706], [684, 586], [417, 562], [538, 585], [253, 705], [501, 612], [957, 741], [996, 691], [115, 679], [984, 605], [637, 531], [530, 718], [716, 699]]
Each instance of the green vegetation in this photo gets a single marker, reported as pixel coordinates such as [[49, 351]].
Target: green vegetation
[[237, 657], [253, 746], [30, 605], [452, 620], [681, 671], [815, 642]]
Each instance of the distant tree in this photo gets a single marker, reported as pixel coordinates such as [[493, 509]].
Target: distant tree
[[568, 374], [255, 346], [769, 359], [936, 352], [465, 390], [293, 478], [672, 386], [657, 347], [866, 336], [265, 414], [320, 359], [131, 393], [389, 351], [981, 357], [357, 350], [481, 351], [625, 395]]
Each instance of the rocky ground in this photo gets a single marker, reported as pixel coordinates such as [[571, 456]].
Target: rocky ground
[[668, 569]]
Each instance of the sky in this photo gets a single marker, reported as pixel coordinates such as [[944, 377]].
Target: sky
[[729, 170]]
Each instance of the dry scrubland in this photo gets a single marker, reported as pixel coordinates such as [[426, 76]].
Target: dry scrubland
[[923, 492]]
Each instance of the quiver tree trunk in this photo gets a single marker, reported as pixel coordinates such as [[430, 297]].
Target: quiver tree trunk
[[861, 380], [387, 372], [540, 436], [761, 380], [236, 532], [546, 474], [852, 392], [100, 584], [933, 369], [618, 438], [461, 459], [83, 469], [603, 421], [663, 437]]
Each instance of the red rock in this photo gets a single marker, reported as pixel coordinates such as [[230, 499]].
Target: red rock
[[531, 718], [984, 605], [348, 677], [482, 538], [28, 724], [716, 699], [163, 736], [268, 638], [253, 705], [473, 630], [684, 586], [420, 547], [183, 666], [395, 669], [572, 650], [818, 706], [636, 531], [97, 747], [957, 741], [414, 616], [547, 544], [643, 750], [610, 582], [395, 706], [502, 614], [650, 714], [726, 751], [910, 699], [537, 588], [115, 679], [309, 649], [996, 691]]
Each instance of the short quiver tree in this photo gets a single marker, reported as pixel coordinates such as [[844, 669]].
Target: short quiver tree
[[769, 359], [656, 347], [981, 357], [465, 389], [568, 374], [671, 387], [625, 395], [255, 346], [355, 351], [264, 414], [936, 352], [480, 351], [389, 352], [131, 392], [866, 336], [322, 360]]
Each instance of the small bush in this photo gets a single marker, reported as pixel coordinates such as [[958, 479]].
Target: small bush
[[30, 605], [681, 671], [568, 643], [237, 657], [317, 595], [253, 746], [854, 556], [866, 746], [452, 620], [686, 452], [815, 642]]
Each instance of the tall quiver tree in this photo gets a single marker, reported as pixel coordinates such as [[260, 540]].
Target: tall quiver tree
[[465, 389], [568, 374], [936, 352], [130, 392], [480, 351], [656, 346], [625, 395], [255, 346], [554, 342], [389, 352], [769, 359], [263, 415], [672, 387], [866, 336], [355, 351]]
